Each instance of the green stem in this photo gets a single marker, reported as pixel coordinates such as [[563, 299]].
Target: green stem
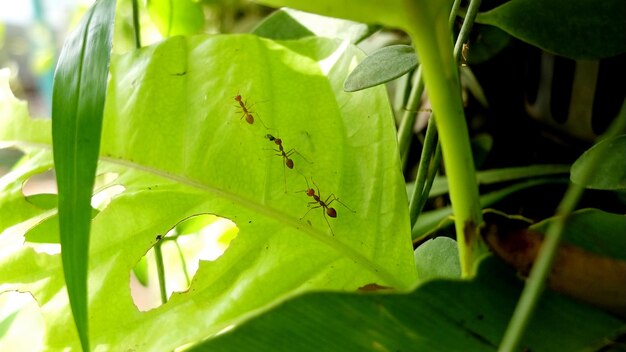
[[430, 31], [430, 144], [405, 131], [540, 270], [160, 272], [184, 264], [432, 172], [466, 28], [136, 27]]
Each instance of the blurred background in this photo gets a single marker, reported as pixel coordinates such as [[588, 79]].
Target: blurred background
[[32, 34]]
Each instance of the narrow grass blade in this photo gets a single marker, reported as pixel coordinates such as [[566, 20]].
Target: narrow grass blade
[[77, 107]]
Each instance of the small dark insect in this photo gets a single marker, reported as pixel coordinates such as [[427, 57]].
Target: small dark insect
[[247, 113], [325, 205], [159, 237], [285, 155]]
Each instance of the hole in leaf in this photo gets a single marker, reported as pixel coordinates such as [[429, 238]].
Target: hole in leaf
[[8, 158], [105, 189], [42, 183], [22, 325], [200, 237], [42, 232]]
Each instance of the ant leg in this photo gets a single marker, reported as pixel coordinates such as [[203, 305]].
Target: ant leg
[[305, 214], [331, 198], [261, 120], [285, 173], [328, 223], [316, 186], [293, 150]]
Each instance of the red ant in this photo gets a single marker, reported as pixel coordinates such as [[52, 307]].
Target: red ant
[[246, 113], [281, 151], [285, 155], [325, 205]]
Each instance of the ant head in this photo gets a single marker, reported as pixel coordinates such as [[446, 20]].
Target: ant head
[[289, 163], [238, 97], [310, 192], [331, 212]]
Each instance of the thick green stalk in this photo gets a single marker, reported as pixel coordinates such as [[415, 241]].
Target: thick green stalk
[[405, 131], [425, 178], [432, 37]]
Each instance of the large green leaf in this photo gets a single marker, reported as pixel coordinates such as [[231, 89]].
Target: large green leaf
[[580, 29], [293, 24], [439, 316], [174, 136], [79, 88]]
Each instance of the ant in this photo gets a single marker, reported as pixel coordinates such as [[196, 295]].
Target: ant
[[325, 205], [285, 155], [246, 112], [279, 143]]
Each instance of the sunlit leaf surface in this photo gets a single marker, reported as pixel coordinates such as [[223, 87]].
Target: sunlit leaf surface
[[175, 137]]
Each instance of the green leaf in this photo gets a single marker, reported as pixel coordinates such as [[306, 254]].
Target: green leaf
[[13, 205], [179, 17], [44, 200], [141, 271], [596, 231], [5, 323], [441, 315], [580, 29], [433, 220], [287, 24], [470, 81], [175, 138], [77, 105], [611, 169], [382, 66], [438, 259], [390, 13], [487, 177], [281, 25], [47, 231]]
